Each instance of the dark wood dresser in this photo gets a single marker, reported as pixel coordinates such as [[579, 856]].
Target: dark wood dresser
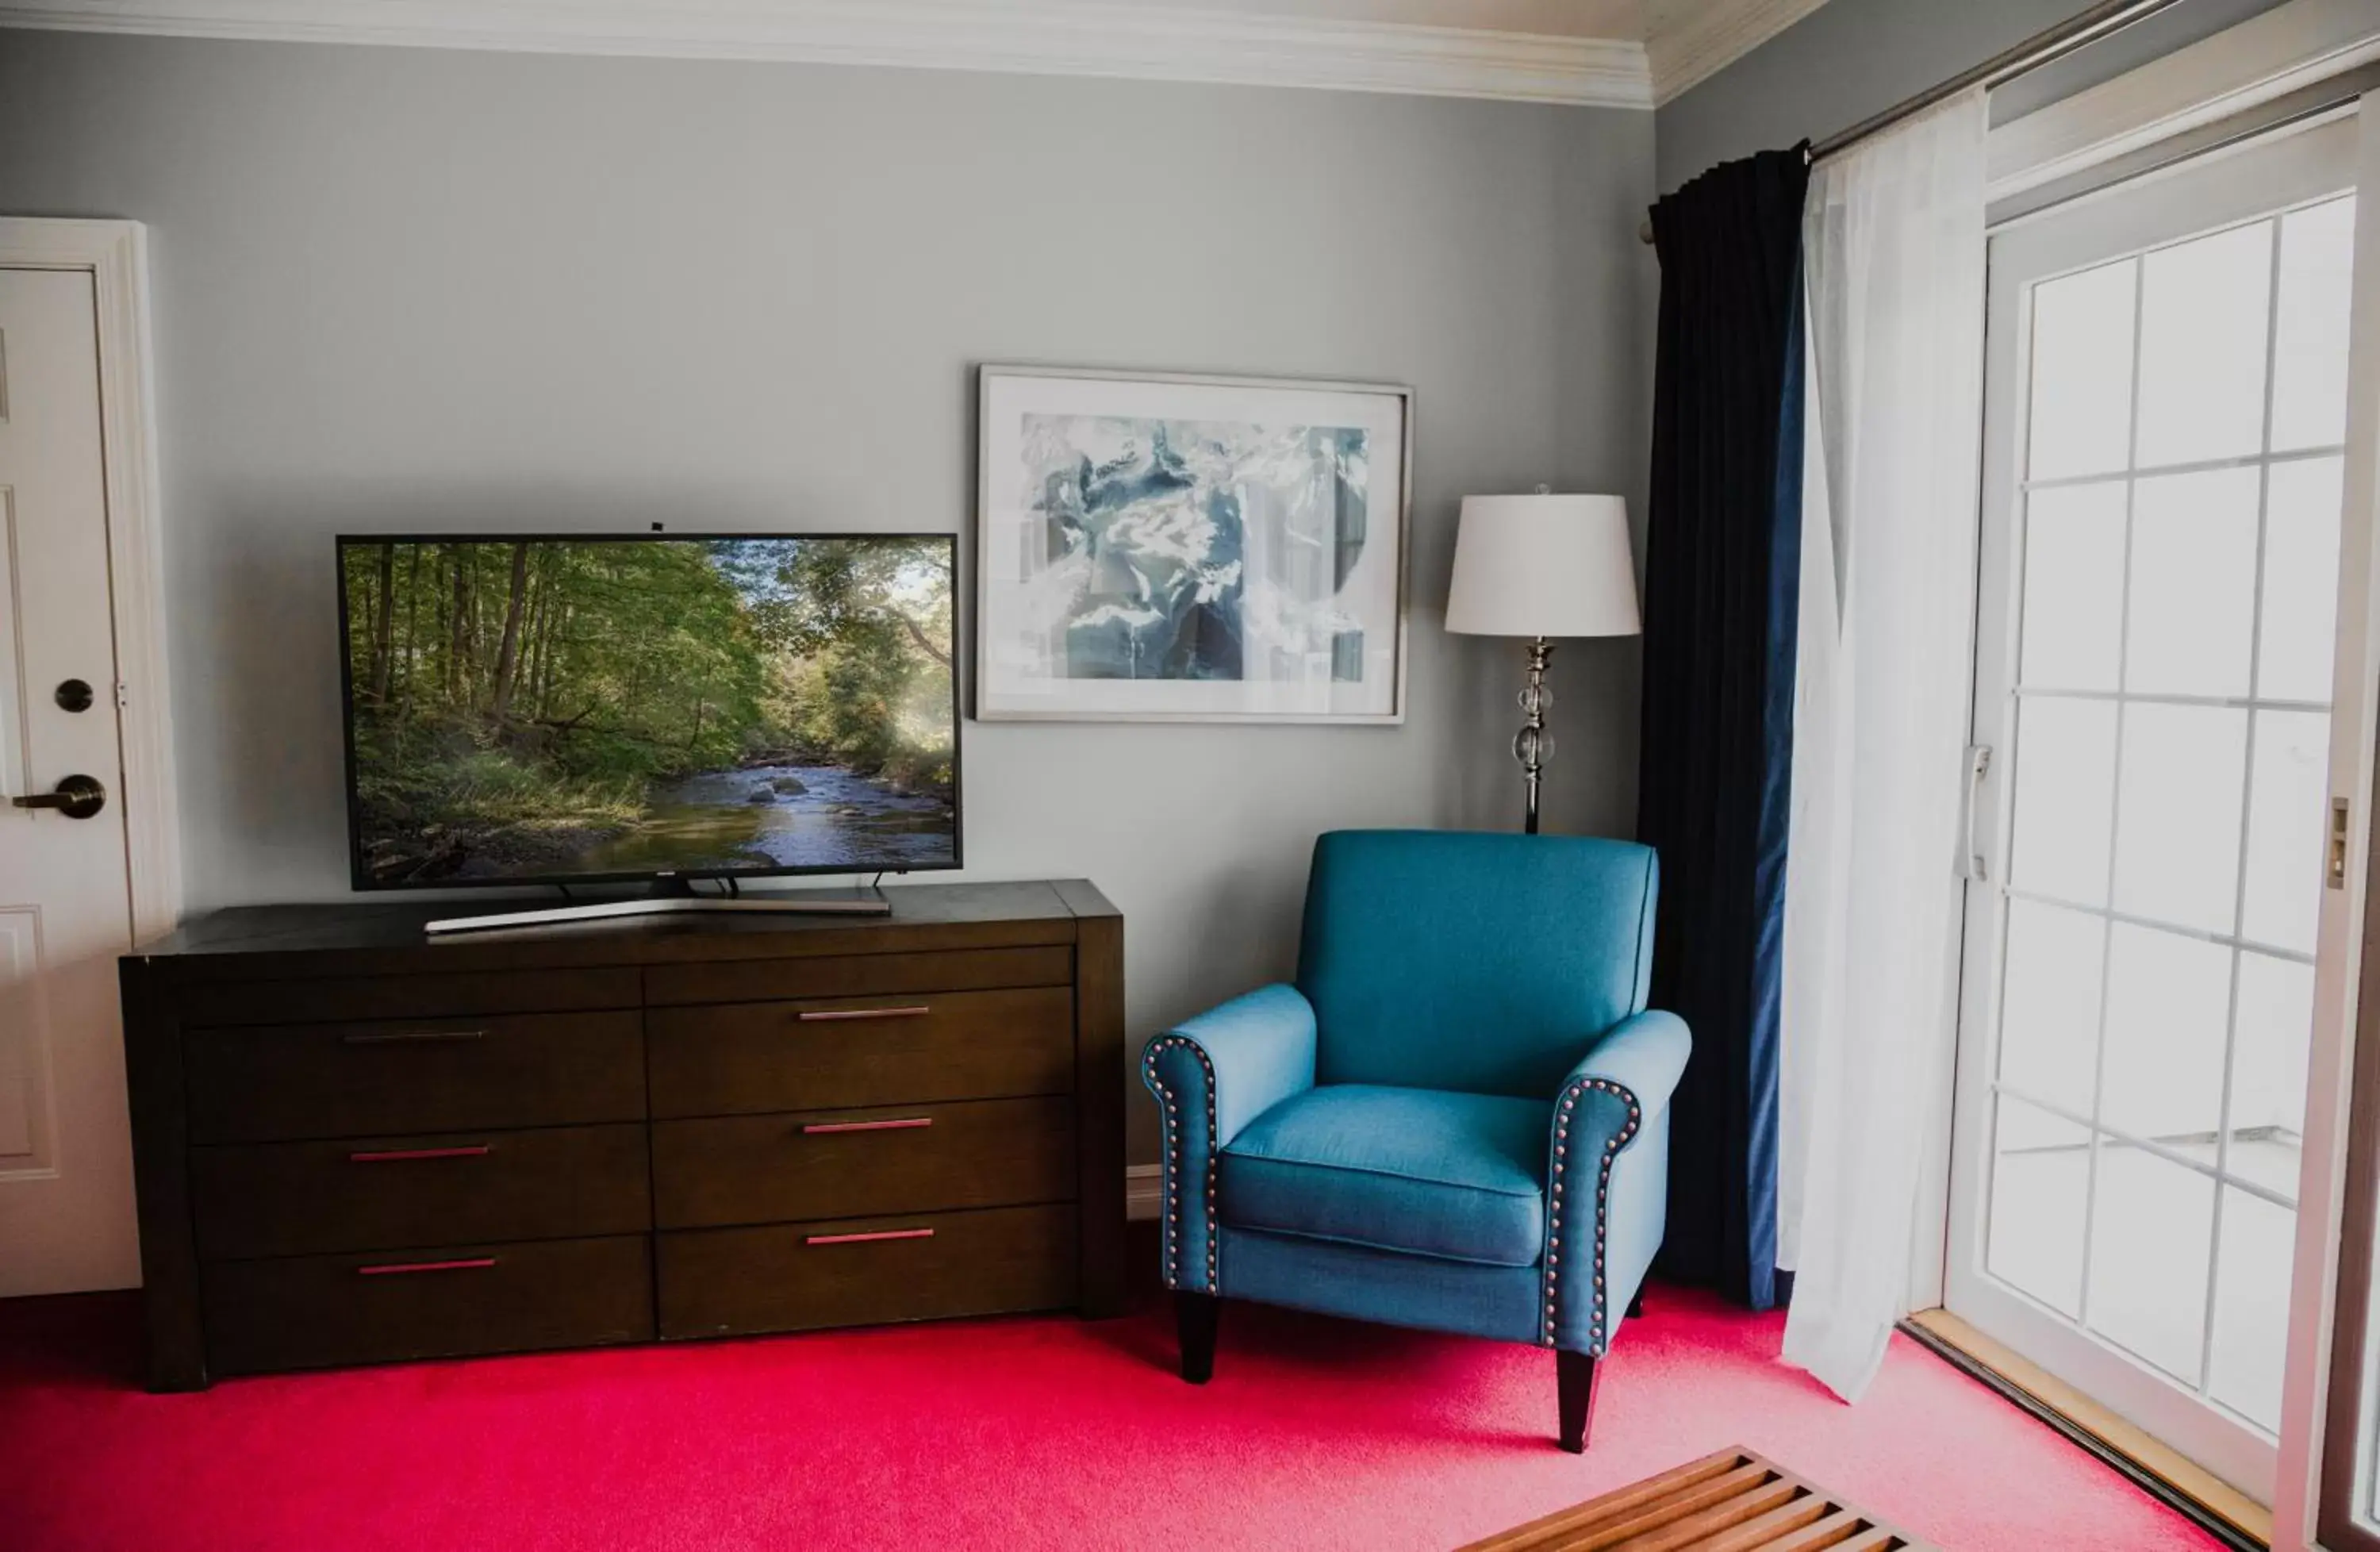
[[354, 1143]]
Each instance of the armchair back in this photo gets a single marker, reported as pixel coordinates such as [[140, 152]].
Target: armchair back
[[1475, 963]]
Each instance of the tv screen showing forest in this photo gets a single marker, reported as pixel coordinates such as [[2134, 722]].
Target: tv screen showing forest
[[543, 709]]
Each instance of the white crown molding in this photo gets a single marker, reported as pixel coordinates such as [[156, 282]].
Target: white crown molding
[[2267, 57], [1031, 37], [1691, 40]]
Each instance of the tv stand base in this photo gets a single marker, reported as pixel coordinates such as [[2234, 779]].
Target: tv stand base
[[860, 902]]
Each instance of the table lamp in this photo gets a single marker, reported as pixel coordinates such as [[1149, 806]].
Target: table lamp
[[1542, 566]]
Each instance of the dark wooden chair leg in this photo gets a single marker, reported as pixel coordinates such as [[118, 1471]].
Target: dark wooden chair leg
[[1636, 1305], [1193, 1323], [1574, 1376]]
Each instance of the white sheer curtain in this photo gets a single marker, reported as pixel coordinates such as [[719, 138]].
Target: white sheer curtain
[[1893, 256]]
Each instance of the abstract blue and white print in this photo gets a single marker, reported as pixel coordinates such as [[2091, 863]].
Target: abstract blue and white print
[[1188, 550], [1192, 564]]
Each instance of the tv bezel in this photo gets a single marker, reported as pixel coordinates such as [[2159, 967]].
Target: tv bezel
[[360, 880]]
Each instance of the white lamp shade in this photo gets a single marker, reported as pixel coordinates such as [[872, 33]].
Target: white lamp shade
[[1543, 565]]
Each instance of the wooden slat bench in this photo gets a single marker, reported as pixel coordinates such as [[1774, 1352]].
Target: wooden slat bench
[[1729, 1501]]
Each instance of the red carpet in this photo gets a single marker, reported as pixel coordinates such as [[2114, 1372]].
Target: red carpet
[[1026, 1433]]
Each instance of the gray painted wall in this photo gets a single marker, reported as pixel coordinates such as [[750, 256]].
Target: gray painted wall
[[1852, 58], [2174, 27], [411, 289], [1842, 62]]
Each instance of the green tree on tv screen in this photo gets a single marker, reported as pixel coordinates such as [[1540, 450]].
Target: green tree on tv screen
[[524, 708]]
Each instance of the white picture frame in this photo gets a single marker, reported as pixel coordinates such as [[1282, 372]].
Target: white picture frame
[[1174, 547]]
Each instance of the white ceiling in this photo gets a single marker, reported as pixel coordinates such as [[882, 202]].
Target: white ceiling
[[1691, 39], [1607, 53]]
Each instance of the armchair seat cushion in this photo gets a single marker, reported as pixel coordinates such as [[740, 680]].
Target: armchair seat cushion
[[1460, 1176]]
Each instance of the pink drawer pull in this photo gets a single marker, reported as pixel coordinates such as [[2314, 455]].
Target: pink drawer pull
[[835, 1015], [396, 1269], [406, 1156], [868, 1239], [908, 1123]]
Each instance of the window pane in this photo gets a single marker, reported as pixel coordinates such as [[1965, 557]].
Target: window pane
[[2251, 1306], [2193, 583], [2203, 306], [2150, 1225], [2065, 773], [2040, 1180], [2301, 505], [2310, 320], [2268, 1156], [2049, 1003], [2270, 1036], [2081, 372], [2168, 1000], [2283, 898], [2176, 848], [2073, 585]]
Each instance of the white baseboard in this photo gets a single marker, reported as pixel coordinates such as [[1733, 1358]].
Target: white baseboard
[[1144, 1189]]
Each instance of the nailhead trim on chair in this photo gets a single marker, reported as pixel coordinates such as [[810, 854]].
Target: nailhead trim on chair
[[1174, 1156], [1602, 1200]]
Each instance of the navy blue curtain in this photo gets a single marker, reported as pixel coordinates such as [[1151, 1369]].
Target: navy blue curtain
[[1722, 570]]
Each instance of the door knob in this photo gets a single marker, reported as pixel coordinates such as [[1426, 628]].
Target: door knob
[[78, 797]]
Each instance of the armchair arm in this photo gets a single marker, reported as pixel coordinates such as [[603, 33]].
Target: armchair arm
[[1643, 1056], [1619, 1091], [1212, 1074]]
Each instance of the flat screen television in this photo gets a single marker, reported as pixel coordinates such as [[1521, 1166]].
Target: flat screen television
[[574, 709]]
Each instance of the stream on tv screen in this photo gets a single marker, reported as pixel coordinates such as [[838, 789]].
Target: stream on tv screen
[[525, 708]]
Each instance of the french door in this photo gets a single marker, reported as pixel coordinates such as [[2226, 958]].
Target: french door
[[2155, 711]]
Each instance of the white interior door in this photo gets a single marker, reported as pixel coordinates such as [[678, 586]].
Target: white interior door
[[65, 1163], [2167, 387]]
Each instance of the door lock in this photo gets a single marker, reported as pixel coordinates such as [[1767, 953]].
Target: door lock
[[78, 797]]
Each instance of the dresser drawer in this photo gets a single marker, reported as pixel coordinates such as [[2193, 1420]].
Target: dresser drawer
[[447, 1188], [284, 1083], [446, 1301], [858, 1271], [750, 1058], [859, 975], [410, 995], [985, 1153]]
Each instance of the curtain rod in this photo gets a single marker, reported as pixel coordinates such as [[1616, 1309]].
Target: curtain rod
[[2106, 17]]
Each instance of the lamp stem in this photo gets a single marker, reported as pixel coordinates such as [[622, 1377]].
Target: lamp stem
[[1531, 745]]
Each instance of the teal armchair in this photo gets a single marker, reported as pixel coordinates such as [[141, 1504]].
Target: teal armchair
[[1457, 1119]]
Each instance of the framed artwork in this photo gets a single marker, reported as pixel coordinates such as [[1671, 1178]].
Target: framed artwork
[[1166, 548]]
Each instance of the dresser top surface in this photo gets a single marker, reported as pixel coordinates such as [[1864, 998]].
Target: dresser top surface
[[342, 937]]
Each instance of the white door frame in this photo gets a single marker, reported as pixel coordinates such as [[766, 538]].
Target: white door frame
[[2276, 172], [115, 255], [2330, 1066], [2296, 44]]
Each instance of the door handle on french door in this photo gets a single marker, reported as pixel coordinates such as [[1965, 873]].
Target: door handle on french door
[[1979, 765], [2333, 871], [78, 797]]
